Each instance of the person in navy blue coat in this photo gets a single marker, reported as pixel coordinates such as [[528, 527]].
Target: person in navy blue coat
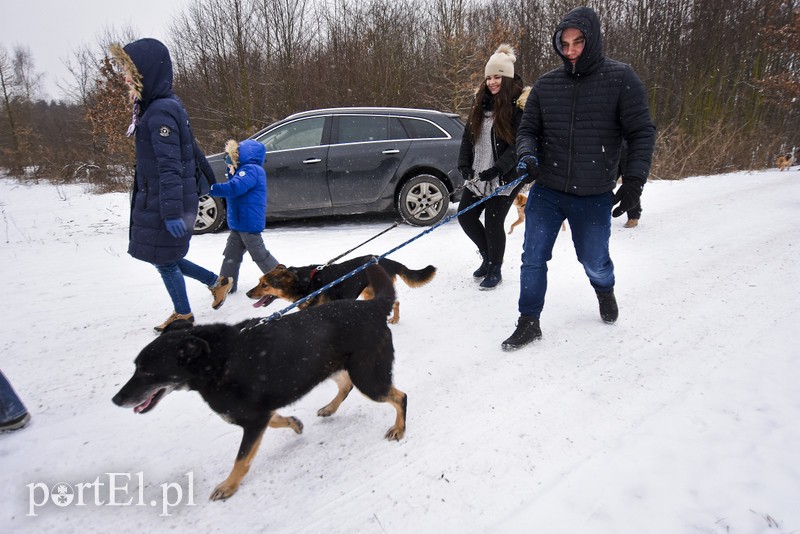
[[13, 413], [164, 199], [246, 194]]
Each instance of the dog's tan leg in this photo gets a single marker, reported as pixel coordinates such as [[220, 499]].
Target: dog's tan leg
[[279, 421], [342, 380], [395, 318], [399, 400], [251, 440], [368, 293]]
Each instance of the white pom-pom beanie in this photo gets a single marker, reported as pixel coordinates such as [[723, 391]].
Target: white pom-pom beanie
[[502, 62]]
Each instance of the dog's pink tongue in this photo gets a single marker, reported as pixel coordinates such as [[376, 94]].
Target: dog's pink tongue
[[264, 301], [144, 405]]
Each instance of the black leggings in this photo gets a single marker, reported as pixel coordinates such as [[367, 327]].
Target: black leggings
[[492, 237]]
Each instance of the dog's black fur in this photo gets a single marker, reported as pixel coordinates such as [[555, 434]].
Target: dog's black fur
[[247, 373], [294, 283]]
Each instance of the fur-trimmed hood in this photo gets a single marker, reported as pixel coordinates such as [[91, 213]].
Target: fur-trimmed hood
[[149, 65], [523, 97], [232, 150], [246, 152]]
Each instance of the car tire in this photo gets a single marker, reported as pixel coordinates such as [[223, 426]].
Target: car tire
[[423, 200], [210, 215]]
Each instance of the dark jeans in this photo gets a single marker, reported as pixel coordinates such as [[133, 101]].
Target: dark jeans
[[490, 237], [173, 276], [11, 406], [589, 220]]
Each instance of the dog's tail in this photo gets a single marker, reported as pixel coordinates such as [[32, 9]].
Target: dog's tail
[[412, 277], [382, 286]]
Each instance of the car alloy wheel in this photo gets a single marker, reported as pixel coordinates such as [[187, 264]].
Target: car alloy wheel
[[423, 200], [210, 215]]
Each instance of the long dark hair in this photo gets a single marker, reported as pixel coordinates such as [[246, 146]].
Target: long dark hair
[[502, 109]]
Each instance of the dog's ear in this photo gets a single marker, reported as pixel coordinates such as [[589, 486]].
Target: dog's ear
[[190, 350]]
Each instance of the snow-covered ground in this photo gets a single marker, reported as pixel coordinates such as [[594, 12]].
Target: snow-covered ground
[[681, 418]]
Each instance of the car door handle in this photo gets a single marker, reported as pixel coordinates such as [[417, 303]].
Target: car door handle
[[391, 151], [312, 160]]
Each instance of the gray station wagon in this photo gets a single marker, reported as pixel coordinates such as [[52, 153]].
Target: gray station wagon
[[347, 161]]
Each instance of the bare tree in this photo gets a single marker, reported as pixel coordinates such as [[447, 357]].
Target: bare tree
[[7, 86], [722, 99], [28, 80]]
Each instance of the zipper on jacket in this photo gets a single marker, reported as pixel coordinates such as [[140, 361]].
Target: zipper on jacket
[[571, 135]]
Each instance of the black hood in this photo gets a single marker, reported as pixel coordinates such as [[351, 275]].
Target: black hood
[[584, 19]]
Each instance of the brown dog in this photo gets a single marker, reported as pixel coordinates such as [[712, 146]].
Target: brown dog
[[519, 203], [784, 162], [294, 283]]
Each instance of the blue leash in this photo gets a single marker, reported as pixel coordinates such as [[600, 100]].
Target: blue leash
[[376, 259]]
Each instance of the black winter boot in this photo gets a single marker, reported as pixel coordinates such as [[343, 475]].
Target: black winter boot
[[481, 271], [527, 330], [493, 277], [608, 306]]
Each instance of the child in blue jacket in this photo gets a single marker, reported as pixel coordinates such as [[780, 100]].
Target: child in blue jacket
[[246, 194]]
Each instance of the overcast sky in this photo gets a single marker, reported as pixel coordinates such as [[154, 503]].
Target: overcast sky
[[53, 29]]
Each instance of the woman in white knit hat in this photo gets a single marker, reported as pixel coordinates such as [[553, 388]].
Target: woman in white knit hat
[[488, 159]]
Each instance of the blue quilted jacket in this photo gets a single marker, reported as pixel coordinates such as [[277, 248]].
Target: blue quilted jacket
[[246, 190]]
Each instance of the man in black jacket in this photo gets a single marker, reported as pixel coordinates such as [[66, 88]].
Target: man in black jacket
[[569, 142]]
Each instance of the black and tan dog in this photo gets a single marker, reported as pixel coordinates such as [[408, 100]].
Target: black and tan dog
[[248, 371], [294, 283]]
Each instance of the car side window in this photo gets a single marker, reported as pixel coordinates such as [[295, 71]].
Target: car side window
[[303, 133], [397, 130], [362, 128], [421, 129]]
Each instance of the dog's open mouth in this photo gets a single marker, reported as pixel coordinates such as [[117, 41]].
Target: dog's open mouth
[[264, 301], [151, 401]]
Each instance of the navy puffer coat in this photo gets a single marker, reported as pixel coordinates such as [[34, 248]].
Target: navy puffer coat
[[576, 117], [165, 186]]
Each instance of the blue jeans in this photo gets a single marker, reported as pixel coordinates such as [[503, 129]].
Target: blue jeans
[[173, 276], [589, 220], [11, 406]]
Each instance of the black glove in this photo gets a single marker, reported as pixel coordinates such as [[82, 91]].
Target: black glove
[[489, 174], [628, 195], [528, 167], [466, 173]]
